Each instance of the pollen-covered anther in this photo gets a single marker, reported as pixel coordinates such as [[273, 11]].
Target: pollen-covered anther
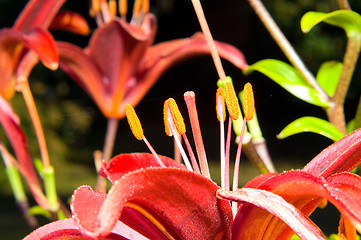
[[123, 7], [95, 6], [177, 118], [248, 101], [134, 122], [165, 119], [220, 107], [231, 101], [112, 4]]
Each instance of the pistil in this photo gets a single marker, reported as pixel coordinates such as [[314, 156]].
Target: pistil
[[189, 98]]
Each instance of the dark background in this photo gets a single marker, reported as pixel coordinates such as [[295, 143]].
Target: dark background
[[74, 127]]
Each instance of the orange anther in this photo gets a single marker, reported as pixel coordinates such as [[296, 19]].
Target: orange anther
[[134, 122], [176, 116], [248, 101], [231, 101], [137, 8], [145, 6], [95, 6], [165, 118], [123, 7], [220, 107], [112, 4]]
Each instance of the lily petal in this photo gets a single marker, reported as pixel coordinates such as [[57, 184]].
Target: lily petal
[[117, 49], [79, 66], [185, 201], [161, 57], [125, 163], [66, 229], [70, 21], [304, 191], [43, 44], [343, 155], [37, 13], [275, 205]]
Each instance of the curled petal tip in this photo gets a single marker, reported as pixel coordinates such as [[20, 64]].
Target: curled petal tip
[[53, 66]]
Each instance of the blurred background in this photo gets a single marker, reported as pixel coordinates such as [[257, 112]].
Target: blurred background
[[74, 127]]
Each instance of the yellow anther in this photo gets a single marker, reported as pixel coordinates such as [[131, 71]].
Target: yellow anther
[[220, 105], [165, 118], [112, 4], [177, 118], [134, 122], [231, 101], [137, 8], [145, 6], [95, 6], [248, 101], [123, 7]]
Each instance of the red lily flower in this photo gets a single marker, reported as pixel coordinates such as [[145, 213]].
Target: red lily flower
[[119, 66], [28, 33], [159, 199], [20, 49], [28, 41]]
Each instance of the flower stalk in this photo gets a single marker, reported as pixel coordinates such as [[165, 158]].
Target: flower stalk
[[285, 45], [336, 112]]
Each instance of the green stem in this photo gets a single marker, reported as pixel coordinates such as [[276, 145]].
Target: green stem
[[19, 193], [336, 112], [50, 188], [285, 45]]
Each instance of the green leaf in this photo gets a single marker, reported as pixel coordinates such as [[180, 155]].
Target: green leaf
[[311, 124], [290, 79], [348, 20], [328, 76], [350, 126]]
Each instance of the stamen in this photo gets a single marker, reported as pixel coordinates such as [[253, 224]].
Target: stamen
[[248, 101], [95, 6], [220, 108], [181, 129], [189, 98], [145, 6], [137, 130], [221, 115], [136, 11], [248, 108], [231, 100], [112, 4], [172, 117], [236, 165], [165, 119], [177, 116], [134, 122], [123, 8]]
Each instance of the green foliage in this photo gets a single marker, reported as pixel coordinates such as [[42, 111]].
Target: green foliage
[[311, 124], [328, 76], [348, 20], [290, 79]]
